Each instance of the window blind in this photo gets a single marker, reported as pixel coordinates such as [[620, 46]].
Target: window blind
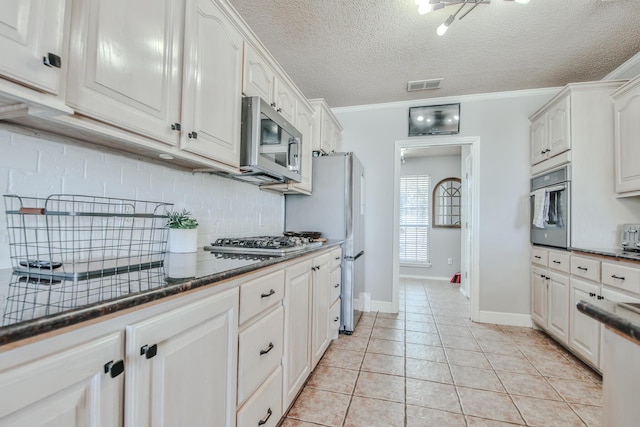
[[414, 219]]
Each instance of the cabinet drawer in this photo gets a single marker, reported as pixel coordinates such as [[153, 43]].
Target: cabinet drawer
[[334, 320], [559, 261], [260, 294], [336, 284], [621, 276], [539, 256], [265, 406], [260, 351], [336, 257], [585, 267]]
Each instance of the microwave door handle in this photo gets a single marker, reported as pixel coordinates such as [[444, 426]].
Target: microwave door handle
[[293, 157]]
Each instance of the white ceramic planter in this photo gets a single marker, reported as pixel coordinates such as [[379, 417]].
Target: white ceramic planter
[[181, 265], [183, 240]]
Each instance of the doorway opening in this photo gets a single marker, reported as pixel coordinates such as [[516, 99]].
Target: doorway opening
[[469, 149]]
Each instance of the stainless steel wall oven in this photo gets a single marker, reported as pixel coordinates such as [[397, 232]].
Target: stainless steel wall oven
[[551, 208]]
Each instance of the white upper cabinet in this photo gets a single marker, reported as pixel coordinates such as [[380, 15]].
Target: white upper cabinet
[[304, 123], [259, 78], [551, 131], [125, 64], [31, 39], [327, 129], [627, 138], [212, 83]]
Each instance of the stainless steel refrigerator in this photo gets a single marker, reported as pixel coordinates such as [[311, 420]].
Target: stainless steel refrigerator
[[336, 208]]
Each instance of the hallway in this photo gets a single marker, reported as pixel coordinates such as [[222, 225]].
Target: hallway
[[429, 365]]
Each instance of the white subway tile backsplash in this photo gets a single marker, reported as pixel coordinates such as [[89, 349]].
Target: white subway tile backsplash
[[32, 166]]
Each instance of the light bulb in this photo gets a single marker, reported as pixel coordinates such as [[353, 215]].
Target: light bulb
[[425, 8], [442, 29], [420, 118]]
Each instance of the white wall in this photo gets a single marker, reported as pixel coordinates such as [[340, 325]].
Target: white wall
[[444, 243], [501, 122], [32, 166]]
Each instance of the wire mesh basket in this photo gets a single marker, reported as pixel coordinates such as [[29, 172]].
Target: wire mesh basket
[[75, 237]]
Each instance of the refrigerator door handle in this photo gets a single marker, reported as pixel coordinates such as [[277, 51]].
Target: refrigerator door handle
[[353, 258]]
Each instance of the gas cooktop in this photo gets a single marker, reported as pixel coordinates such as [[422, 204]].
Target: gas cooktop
[[271, 245]]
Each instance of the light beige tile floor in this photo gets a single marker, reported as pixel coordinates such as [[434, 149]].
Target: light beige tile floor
[[429, 365]]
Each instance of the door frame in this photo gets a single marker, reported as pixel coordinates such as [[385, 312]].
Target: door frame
[[474, 144]]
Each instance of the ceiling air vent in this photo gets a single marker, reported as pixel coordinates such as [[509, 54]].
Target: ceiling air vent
[[424, 84]]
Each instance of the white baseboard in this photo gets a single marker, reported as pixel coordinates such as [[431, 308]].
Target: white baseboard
[[383, 306], [420, 277], [511, 319]]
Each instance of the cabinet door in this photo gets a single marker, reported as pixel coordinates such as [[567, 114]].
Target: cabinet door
[[327, 132], [558, 119], [285, 101], [66, 389], [539, 295], [125, 64], [182, 365], [558, 306], [29, 31], [584, 337], [321, 278], [627, 129], [258, 77], [297, 309], [304, 123], [539, 140], [212, 92]]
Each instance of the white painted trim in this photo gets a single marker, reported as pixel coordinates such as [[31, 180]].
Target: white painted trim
[[383, 307], [449, 99], [620, 72], [421, 277], [463, 292], [474, 144], [511, 319]]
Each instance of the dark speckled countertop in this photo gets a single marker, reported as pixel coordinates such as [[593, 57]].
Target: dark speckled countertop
[[32, 306], [620, 317], [618, 254]]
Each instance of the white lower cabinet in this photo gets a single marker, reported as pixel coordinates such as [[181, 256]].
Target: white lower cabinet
[[260, 352], [334, 320], [264, 408], [181, 365], [584, 335], [557, 305], [321, 282], [69, 388], [539, 291], [297, 330]]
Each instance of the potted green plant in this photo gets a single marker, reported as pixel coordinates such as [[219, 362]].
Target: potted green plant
[[183, 233]]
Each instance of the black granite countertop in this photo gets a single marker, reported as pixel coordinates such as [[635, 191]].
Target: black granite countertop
[[620, 317], [32, 306], [617, 253]]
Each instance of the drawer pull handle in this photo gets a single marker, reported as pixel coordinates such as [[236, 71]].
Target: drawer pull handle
[[149, 351], [583, 268], [592, 294], [265, 419], [337, 285], [336, 319], [617, 277], [337, 258], [114, 369], [537, 256], [271, 292], [557, 262], [263, 352], [600, 297]]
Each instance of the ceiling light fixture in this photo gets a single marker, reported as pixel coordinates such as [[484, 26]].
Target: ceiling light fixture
[[426, 6]]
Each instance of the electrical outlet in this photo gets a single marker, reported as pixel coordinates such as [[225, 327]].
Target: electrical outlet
[[449, 261]]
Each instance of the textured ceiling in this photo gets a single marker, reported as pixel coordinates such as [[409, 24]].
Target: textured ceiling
[[355, 52]]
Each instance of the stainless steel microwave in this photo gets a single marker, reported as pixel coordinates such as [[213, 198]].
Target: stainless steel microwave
[[271, 147]]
